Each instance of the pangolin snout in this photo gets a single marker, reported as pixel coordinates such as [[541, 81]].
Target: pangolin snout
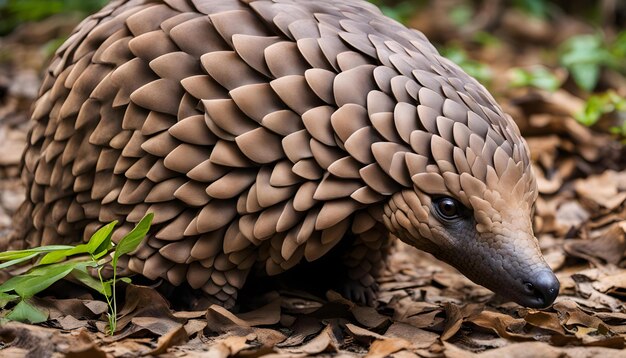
[[541, 290]]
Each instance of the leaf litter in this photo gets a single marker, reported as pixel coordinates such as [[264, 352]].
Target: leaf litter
[[425, 308]]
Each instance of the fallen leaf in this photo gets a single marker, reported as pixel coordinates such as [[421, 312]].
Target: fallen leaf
[[608, 247], [303, 328], [504, 325], [84, 347], [369, 317], [220, 319], [70, 323], [384, 347], [419, 338], [455, 316], [194, 326], [323, 342], [602, 191]]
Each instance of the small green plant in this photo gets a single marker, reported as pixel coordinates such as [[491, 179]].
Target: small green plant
[[600, 104], [584, 56], [538, 77], [59, 261]]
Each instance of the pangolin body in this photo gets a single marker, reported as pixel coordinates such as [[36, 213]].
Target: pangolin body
[[261, 133]]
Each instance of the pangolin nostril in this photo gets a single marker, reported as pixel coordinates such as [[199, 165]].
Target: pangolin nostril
[[545, 287]]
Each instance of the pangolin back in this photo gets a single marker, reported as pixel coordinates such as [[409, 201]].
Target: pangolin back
[[255, 131]]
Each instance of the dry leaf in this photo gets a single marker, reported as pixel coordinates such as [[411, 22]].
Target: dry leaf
[[303, 328], [323, 342], [86, 347], [369, 317], [455, 316], [384, 347], [419, 338], [70, 322], [221, 320]]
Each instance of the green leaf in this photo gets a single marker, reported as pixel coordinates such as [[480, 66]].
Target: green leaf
[[130, 242], [11, 255], [25, 312], [35, 283], [585, 75], [101, 239], [485, 39], [461, 15], [81, 274], [584, 56], [401, 12], [535, 8], [598, 105], [107, 287], [100, 254], [60, 255], [126, 280], [5, 298], [538, 77], [12, 283], [18, 261]]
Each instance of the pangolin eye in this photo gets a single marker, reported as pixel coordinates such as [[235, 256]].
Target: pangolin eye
[[448, 208]]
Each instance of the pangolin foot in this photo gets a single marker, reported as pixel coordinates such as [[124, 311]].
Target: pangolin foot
[[359, 293]]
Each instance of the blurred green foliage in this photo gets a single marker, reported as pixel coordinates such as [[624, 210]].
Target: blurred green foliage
[[478, 70], [600, 104], [400, 11], [585, 56], [16, 12], [538, 77], [461, 15], [536, 8]]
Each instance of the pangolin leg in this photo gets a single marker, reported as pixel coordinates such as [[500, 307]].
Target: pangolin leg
[[223, 292], [365, 259]]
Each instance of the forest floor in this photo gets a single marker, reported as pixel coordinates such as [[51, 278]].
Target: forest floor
[[425, 308]]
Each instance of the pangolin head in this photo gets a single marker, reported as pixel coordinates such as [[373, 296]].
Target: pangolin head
[[472, 201]]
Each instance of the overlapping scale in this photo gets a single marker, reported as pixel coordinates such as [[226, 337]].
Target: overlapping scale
[[256, 131]]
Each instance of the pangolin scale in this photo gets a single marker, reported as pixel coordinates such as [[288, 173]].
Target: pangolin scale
[[261, 133]]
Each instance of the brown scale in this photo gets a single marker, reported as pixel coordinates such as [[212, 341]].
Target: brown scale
[[264, 132]]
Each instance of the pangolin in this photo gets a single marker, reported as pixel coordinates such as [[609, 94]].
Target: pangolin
[[263, 132]]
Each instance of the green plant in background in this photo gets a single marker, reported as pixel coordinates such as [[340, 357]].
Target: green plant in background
[[461, 14], [400, 11], [478, 70], [59, 261], [584, 56], [16, 12], [485, 39], [536, 8], [620, 130], [538, 77], [601, 104]]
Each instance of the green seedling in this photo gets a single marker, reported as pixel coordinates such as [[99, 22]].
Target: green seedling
[[600, 104], [584, 56], [59, 261]]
